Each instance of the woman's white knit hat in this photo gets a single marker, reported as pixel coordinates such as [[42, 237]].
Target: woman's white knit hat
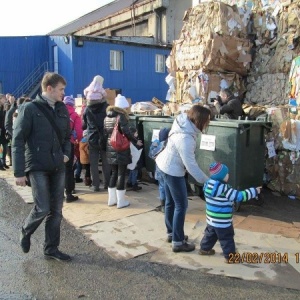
[[121, 101]]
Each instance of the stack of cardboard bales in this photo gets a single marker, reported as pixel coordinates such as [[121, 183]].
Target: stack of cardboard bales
[[212, 51], [275, 29], [215, 48], [283, 167]]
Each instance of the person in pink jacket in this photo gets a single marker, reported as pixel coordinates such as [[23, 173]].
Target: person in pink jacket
[[76, 136]]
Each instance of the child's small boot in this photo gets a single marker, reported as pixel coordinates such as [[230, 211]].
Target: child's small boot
[[136, 187], [87, 181]]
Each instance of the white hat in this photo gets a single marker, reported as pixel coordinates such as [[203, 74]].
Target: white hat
[[121, 102]]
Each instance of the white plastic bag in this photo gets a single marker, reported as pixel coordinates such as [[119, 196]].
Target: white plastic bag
[[135, 156]]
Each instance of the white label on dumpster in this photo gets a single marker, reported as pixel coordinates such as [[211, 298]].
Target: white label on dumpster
[[208, 142], [271, 149], [155, 135]]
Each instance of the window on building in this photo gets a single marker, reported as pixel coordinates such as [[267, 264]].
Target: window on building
[[116, 60], [160, 63]]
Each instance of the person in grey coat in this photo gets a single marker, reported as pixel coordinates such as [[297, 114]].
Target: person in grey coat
[[177, 158], [39, 157]]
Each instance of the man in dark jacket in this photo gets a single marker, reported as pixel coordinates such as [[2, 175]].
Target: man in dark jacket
[[231, 107], [40, 151]]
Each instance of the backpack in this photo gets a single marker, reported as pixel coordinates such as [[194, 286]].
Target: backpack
[[156, 147]]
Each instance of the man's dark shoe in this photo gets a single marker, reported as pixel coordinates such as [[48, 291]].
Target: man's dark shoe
[[128, 186], [6, 166], [57, 255], [135, 187], [185, 247], [207, 252], [25, 241], [169, 238], [71, 198]]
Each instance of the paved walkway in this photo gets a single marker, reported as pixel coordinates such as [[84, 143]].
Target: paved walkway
[[269, 249]]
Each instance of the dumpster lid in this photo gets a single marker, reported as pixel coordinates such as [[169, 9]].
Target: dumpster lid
[[157, 119], [238, 123]]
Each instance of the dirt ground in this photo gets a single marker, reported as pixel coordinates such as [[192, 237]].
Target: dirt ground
[[273, 206]]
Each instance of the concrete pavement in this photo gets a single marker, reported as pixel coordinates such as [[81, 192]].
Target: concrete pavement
[[270, 249]]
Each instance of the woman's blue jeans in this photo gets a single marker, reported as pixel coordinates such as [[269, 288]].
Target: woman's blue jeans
[[175, 207], [48, 192]]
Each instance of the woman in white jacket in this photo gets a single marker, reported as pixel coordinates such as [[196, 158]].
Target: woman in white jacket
[[177, 158]]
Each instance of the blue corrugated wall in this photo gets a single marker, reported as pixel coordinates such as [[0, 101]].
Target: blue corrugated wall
[[138, 80], [19, 56]]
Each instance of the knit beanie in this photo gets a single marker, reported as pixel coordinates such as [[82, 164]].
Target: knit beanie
[[218, 171], [68, 100], [121, 102], [163, 134]]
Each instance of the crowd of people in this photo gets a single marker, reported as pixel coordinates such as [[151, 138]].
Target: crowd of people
[[52, 145]]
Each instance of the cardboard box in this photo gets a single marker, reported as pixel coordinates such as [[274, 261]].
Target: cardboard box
[[111, 95]]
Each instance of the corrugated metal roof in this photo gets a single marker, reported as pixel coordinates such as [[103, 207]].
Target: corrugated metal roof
[[93, 17]]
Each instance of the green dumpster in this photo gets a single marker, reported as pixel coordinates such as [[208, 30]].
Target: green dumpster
[[240, 144], [151, 126]]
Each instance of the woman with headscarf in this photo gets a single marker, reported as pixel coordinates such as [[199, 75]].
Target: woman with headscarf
[[93, 118]]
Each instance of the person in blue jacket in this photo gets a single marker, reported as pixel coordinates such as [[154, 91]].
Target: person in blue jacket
[[220, 197]]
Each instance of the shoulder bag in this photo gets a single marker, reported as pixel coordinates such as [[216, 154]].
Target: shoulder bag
[[50, 119], [118, 140]]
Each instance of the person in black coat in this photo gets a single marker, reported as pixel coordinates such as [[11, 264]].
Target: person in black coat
[[40, 151], [3, 140], [231, 107], [93, 120], [118, 160]]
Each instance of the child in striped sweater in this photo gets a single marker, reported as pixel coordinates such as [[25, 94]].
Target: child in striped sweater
[[220, 198]]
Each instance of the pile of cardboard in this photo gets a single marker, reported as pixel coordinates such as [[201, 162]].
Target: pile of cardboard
[[275, 30], [283, 156], [212, 50]]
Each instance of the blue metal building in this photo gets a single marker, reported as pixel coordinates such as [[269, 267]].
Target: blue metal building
[[20, 57], [24, 60], [138, 78]]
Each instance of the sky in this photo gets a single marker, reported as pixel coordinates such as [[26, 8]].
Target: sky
[[39, 17]]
